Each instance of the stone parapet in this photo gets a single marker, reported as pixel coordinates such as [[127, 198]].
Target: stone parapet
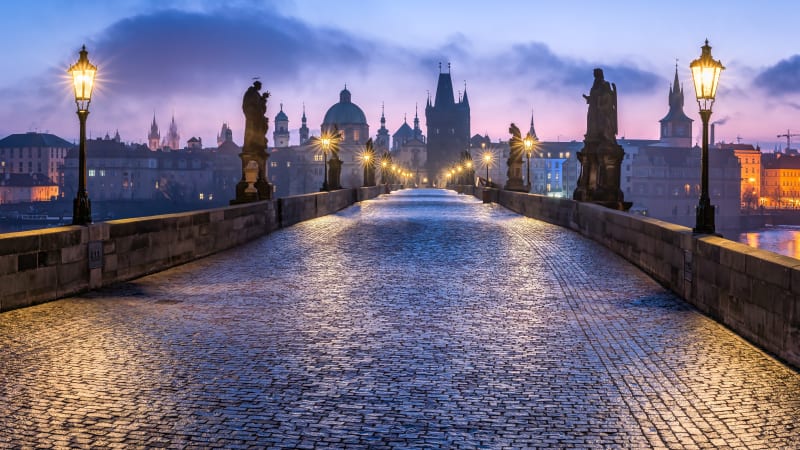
[[754, 292], [41, 265]]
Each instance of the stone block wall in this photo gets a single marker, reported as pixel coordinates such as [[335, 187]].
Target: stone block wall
[[42, 265], [756, 293]]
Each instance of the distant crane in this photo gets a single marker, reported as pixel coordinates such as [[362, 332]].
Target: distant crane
[[788, 135]]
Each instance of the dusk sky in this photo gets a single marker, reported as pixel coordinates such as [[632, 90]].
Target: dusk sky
[[195, 59]]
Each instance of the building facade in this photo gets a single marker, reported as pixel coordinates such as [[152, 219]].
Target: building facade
[[34, 153]]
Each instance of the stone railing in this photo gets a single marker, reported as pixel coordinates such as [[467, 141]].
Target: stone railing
[[42, 265], [754, 292]]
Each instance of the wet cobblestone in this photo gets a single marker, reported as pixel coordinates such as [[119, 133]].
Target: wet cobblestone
[[422, 319]]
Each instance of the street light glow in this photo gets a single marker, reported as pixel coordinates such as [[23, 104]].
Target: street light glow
[[705, 74], [83, 73]]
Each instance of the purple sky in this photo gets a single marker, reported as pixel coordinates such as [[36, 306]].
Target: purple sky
[[195, 59]]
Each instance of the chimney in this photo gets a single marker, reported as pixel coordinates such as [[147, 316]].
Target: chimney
[[712, 135]]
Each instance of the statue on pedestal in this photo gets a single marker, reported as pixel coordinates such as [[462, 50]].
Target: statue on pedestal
[[254, 150], [601, 156], [516, 148]]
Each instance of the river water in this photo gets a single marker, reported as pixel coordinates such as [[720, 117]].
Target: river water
[[783, 239]]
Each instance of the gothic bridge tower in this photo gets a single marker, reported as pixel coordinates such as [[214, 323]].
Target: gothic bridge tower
[[448, 126]]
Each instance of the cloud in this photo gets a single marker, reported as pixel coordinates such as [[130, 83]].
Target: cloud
[[548, 70], [782, 78], [186, 52]]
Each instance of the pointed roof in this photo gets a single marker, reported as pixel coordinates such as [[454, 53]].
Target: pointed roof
[[281, 116], [444, 91], [676, 113], [404, 131], [532, 130], [464, 99]]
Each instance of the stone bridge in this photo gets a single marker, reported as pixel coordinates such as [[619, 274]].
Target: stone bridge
[[419, 319]]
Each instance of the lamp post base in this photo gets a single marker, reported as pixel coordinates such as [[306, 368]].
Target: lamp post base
[[705, 218], [81, 209]]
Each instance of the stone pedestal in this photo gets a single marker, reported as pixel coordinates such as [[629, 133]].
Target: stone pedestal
[[253, 186], [334, 173], [599, 181]]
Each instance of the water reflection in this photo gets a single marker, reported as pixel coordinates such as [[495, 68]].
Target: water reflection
[[781, 239]]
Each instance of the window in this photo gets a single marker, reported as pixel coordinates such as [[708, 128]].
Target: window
[[273, 164], [202, 196], [356, 135], [102, 172], [91, 172], [317, 157], [288, 164]]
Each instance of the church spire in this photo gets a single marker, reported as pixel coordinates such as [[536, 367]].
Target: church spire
[[532, 130], [303, 132]]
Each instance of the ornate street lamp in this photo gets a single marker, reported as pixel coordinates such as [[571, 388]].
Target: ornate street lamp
[[487, 161], [83, 73], [325, 142], [528, 144], [705, 74]]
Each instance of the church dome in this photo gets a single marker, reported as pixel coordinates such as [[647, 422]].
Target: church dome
[[344, 112], [281, 117]]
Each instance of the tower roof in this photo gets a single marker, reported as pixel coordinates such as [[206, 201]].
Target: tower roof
[[281, 116], [676, 102], [444, 91]]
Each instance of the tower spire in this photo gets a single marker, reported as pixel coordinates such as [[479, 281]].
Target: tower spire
[[532, 130]]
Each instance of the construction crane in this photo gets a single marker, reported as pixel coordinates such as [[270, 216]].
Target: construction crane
[[788, 135]]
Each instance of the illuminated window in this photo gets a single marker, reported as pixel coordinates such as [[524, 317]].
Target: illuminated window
[[288, 164], [91, 172], [202, 196], [102, 172], [273, 164], [356, 135], [317, 157]]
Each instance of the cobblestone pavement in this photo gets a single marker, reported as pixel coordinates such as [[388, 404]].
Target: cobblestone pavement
[[422, 319]]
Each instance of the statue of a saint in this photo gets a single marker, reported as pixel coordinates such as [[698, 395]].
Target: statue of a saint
[[254, 106], [601, 120]]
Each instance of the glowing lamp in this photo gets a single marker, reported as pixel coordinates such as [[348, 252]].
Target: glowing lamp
[[83, 73], [705, 74]]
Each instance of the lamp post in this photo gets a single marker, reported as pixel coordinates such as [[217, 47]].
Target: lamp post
[[528, 144], [705, 75], [325, 141], [487, 161], [83, 73], [367, 160]]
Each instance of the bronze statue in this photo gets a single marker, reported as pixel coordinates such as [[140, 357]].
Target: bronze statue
[[514, 172], [601, 120], [601, 155], [256, 125], [253, 185]]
